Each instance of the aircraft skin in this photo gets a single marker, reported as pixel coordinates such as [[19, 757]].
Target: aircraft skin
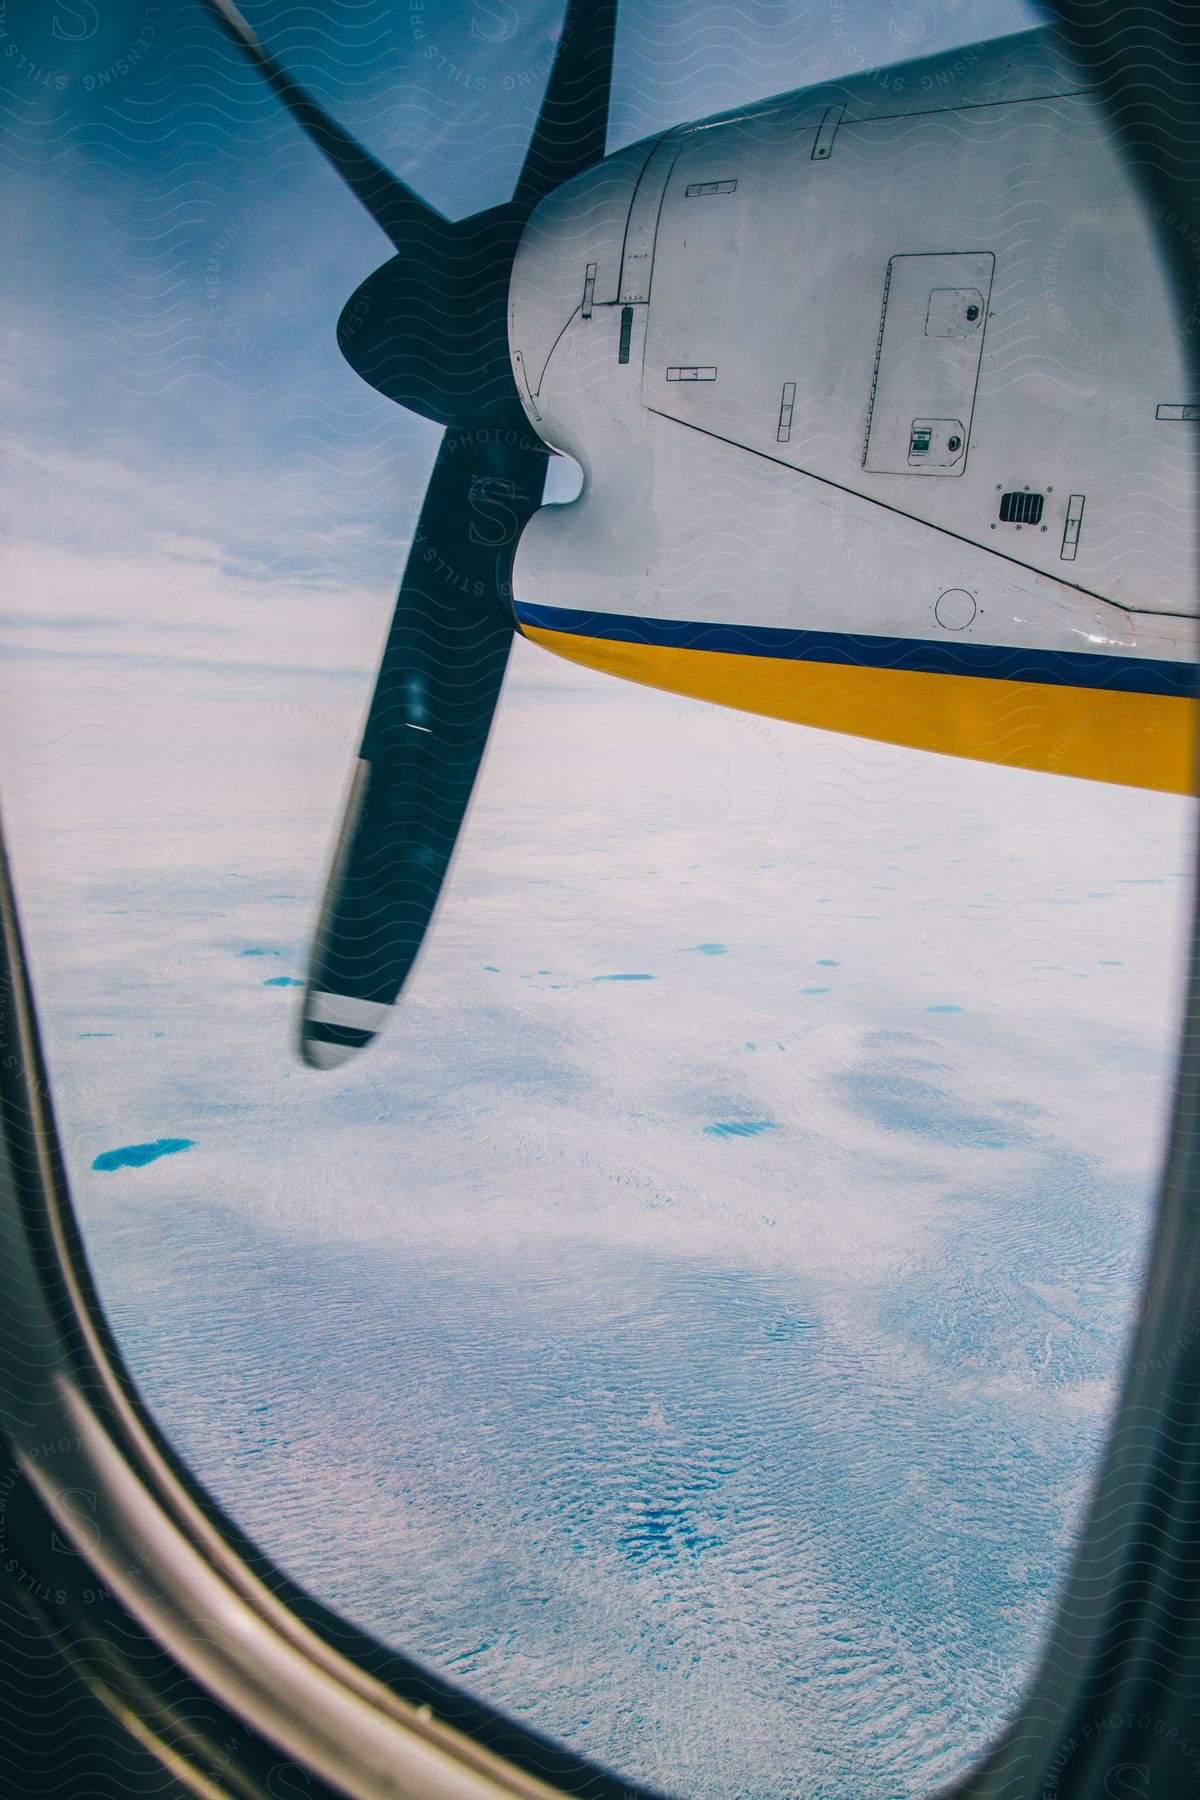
[[881, 409]]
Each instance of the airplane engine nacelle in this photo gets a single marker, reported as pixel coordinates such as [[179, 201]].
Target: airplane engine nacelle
[[889, 364]]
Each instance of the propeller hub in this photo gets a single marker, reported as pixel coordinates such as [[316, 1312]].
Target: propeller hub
[[430, 328]]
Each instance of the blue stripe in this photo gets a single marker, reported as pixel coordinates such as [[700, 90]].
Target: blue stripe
[[995, 662]]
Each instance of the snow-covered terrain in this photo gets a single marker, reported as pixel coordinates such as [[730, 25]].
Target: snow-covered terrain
[[655, 1356]]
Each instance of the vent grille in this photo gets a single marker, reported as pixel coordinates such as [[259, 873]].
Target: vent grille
[[1021, 508]]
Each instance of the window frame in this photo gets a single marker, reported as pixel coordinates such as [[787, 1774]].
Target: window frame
[[151, 1569]]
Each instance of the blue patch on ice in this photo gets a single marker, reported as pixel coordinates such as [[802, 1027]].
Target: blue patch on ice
[[283, 981], [740, 1128], [943, 1009], [1110, 962], [787, 1327], [257, 950], [622, 978], [662, 1533], [84, 1034], [812, 990], [905, 1094], [827, 962], [136, 1156], [703, 950], [491, 969]]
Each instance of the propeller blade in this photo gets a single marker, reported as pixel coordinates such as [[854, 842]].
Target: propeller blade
[[573, 122], [396, 209], [434, 698], [429, 330]]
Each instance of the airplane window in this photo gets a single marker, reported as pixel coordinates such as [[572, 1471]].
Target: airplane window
[[692, 1325]]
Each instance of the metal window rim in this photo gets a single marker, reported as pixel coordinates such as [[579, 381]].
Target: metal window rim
[[178, 1575]]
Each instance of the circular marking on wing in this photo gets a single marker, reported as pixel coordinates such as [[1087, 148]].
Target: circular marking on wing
[[955, 609]]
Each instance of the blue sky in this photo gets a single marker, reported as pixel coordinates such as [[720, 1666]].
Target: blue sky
[[177, 256]]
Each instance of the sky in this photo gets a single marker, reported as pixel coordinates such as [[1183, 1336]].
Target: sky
[[183, 440], [844, 1195]]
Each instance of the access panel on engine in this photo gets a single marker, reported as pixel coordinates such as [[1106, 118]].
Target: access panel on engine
[[927, 363]]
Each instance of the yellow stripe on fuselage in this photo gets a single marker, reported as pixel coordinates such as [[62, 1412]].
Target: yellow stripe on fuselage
[[1137, 740]]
